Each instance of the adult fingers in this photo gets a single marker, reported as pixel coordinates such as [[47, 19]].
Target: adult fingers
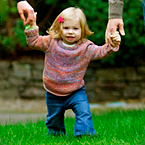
[[121, 30], [109, 31], [110, 41], [22, 17], [30, 18]]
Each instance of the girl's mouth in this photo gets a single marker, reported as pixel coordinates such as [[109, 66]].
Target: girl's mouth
[[70, 38]]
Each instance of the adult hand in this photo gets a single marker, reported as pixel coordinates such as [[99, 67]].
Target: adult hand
[[25, 8], [116, 39], [112, 26]]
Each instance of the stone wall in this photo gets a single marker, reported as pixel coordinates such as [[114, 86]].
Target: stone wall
[[23, 79]]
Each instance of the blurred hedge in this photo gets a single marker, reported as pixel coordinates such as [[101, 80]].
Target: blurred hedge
[[132, 46]]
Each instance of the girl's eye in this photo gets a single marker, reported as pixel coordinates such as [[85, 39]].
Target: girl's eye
[[76, 28], [65, 28]]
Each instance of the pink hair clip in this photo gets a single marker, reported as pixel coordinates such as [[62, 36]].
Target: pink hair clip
[[60, 19]]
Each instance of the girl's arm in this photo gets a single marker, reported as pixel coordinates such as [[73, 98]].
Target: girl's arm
[[99, 52], [34, 40]]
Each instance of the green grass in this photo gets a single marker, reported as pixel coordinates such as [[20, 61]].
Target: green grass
[[115, 127]]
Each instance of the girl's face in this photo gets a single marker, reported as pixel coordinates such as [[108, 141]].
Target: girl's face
[[71, 31]]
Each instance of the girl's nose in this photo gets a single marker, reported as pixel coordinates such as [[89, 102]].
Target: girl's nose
[[70, 31]]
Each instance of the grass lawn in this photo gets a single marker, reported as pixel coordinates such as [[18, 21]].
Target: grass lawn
[[115, 127]]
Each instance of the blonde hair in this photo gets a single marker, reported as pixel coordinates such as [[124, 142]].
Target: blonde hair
[[70, 13]]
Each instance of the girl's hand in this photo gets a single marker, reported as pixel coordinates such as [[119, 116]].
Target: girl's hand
[[116, 39], [112, 26], [33, 23]]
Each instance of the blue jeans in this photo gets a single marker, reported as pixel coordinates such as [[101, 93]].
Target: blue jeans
[[78, 102]]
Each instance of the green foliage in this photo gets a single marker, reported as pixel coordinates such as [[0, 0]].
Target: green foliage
[[97, 15], [51, 2], [3, 11], [134, 41], [19, 36], [10, 44], [132, 45]]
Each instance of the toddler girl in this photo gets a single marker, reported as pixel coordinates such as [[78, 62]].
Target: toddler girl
[[67, 55]]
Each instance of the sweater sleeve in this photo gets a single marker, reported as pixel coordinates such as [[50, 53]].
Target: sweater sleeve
[[36, 41], [115, 8], [100, 52], [19, 0]]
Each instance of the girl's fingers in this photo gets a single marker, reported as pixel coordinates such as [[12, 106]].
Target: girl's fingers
[[115, 34], [116, 39]]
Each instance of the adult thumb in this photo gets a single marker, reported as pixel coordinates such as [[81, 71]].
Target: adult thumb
[[121, 30]]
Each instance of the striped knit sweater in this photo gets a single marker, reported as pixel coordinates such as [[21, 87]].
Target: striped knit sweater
[[64, 68]]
